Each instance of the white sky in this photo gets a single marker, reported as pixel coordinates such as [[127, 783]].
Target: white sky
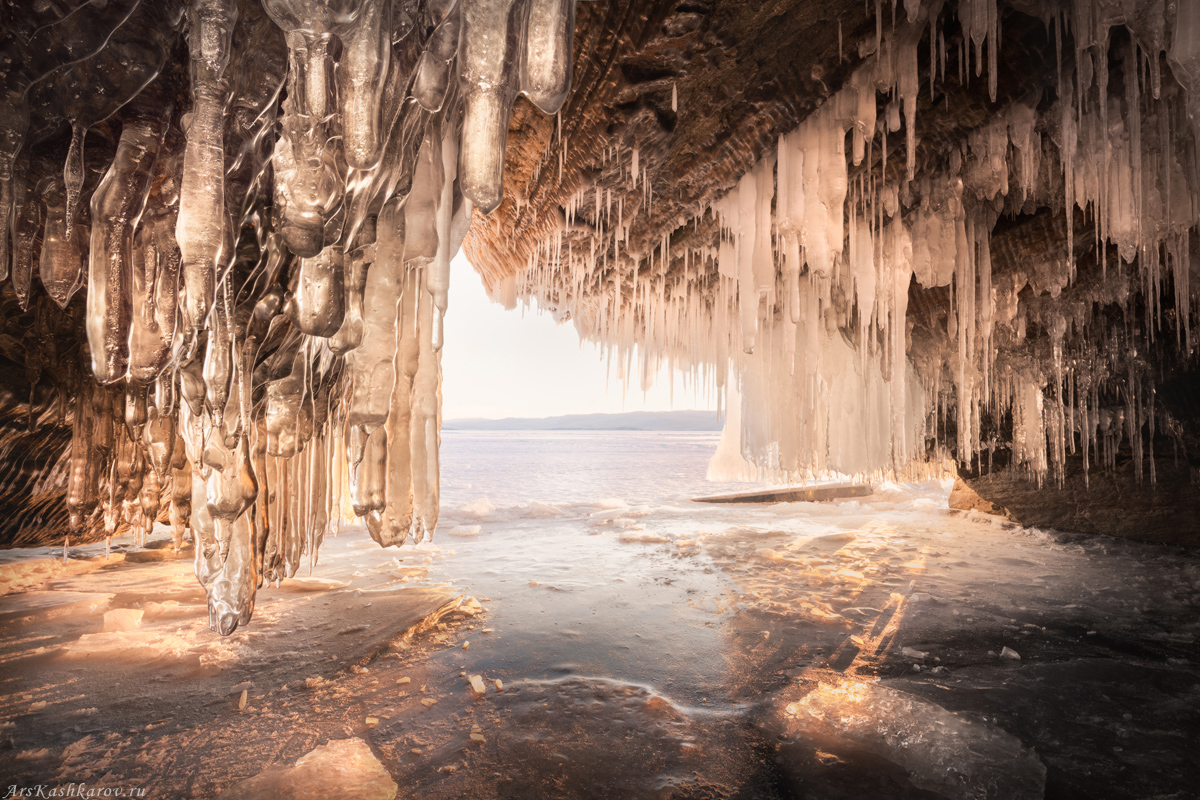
[[519, 363]]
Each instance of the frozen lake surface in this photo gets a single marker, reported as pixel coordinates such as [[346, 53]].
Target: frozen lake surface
[[629, 643]]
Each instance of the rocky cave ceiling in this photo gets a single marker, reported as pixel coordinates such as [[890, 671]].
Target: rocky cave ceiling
[[904, 235]]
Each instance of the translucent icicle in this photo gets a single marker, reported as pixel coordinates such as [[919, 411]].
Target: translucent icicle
[[546, 66], [287, 428], [307, 162], [181, 500], [437, 275], [155, 278], [433, 68], [370, 367], [426, 423], [116, 209], [420, 210], [83, 477], [368, 481], [397, 517], [485, 70], [318, 302], [27, 224], [361, 76], [350, 334], [203, 232]]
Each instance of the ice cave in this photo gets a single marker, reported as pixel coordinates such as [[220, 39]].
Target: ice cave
[[937, 262]]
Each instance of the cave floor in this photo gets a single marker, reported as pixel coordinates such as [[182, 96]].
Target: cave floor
[[882, 645]]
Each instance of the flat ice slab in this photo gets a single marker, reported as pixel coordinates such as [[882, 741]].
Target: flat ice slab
[[30, 603], [795, 494]]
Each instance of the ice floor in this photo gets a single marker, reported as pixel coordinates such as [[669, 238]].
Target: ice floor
[[884, 647]]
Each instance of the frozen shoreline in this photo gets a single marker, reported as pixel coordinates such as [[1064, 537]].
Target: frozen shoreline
[[698, 646]]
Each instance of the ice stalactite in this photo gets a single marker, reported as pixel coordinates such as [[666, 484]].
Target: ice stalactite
[[155, 278], [361, 80], [27, 221], [64, 257], [203, 232], [117, 207], [802, 298], [269, 264], [318, 303], [546, 61], [487, 81]]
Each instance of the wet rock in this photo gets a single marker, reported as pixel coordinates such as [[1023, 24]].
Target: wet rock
[[1113, 503], [964, 498]]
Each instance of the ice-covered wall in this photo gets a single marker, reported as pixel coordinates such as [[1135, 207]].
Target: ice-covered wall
[[971, 243], [261, 238]]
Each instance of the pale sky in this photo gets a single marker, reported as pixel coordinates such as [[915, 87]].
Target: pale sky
[[519, 363]]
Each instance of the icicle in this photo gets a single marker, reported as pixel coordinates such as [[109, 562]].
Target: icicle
[[433, 69], [485, 77], [546, 67], [397, 517], [426, 424], [203, 230], [370, 366], [318, 302], [361, 76], [438, 274], [27, 223], [155, 278], [908, 88], [116, 208]]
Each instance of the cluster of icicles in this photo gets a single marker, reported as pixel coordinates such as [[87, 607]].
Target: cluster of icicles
[[804, 295], [250, 391]]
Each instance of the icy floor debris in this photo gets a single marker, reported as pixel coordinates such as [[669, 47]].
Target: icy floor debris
[[342, 768]]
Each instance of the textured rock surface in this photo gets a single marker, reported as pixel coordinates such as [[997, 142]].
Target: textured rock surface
[[965, 498], [1114, 504]]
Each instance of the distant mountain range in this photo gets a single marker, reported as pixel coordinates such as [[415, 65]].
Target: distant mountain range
[[629, 421]]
